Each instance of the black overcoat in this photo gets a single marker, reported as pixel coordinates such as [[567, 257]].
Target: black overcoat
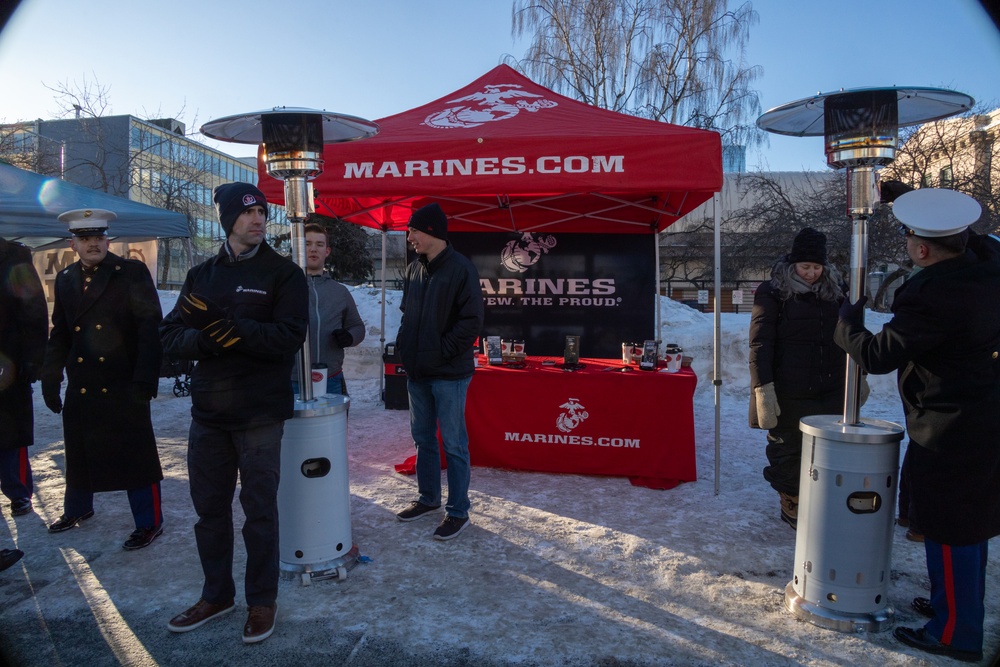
[[106, 339], [23, 328], [791, 345], [944, 343]]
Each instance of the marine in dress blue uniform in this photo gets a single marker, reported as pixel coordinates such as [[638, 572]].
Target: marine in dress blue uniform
[[105, 336], [944, 343]]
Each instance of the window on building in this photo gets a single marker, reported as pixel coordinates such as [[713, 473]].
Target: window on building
[[945, 177]]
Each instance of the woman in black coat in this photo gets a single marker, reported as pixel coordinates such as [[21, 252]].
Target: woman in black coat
[[796, 370]]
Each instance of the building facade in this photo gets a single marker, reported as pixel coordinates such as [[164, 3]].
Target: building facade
[[150, 161]]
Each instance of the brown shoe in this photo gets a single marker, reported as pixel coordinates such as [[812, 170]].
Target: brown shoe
[[260, 623], [789, 509], [914, 536], [201, 613]]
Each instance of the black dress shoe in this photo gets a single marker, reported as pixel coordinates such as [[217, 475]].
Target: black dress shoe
[[20, 507], [142, 537], [66, 522], [8, 557], [918, 638], [923, 607]]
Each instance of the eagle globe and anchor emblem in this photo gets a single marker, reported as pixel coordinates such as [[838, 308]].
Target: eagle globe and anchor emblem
[[519, 254], [495, 102], [573, 416]]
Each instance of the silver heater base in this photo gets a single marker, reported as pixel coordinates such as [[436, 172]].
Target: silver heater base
[[874, 621], [331, 569]]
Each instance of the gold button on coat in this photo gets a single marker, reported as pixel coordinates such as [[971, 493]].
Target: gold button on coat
[[83, 391]]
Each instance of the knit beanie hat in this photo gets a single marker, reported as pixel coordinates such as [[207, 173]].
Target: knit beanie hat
[[231, 199], [431, 220], [808, 246]]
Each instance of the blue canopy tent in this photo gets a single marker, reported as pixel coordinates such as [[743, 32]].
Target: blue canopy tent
[[30, 204]]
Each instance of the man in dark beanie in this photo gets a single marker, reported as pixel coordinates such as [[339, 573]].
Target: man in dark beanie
[[231, 199], [442, 318], [242, 316]]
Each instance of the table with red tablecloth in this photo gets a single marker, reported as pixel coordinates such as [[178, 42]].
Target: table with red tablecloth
[[595, 420]]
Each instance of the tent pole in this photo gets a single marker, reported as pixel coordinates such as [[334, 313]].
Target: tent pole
[[656, 254], [381, 375], [717, 382]]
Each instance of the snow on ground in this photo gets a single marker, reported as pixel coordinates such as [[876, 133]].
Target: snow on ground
[[555, 570]]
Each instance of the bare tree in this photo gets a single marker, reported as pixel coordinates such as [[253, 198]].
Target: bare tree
[[350, 258], [81, 99], [680, 61], [960, 153]]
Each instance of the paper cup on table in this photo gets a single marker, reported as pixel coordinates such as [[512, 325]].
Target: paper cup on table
[[627, 353], [505, 347], [319, 374], [673, 356]]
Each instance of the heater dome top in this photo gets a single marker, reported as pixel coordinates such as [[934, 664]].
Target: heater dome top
[[805, 117], [247, 128]]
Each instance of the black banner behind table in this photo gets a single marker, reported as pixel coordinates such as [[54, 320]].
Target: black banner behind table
[[540, 287]]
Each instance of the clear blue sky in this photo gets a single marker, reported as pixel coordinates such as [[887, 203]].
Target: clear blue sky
[[201, 60]]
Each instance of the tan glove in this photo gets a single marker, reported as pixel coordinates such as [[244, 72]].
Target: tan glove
[[865, 390], [767, 406]]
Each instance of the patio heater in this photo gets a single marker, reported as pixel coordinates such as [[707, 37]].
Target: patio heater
[[314, 494], [850, 466]]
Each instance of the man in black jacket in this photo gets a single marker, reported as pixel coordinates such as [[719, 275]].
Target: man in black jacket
[[23, 330], [944, 341], [104, 334], [442, 317], [242, 316]]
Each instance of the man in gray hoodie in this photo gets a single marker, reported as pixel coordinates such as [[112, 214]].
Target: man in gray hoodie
[[334, 322]]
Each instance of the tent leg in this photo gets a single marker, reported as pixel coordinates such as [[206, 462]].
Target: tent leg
[[381, 375], [656, 254], [717, 380]]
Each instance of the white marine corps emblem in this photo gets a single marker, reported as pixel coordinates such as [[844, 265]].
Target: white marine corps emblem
[[521, 253], [572, 417], [496, 102]]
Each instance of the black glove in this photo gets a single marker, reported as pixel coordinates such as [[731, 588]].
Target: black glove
[[198, 311], [343, 337], [143, 391], [853, 313], [50, 393], [218, 336]]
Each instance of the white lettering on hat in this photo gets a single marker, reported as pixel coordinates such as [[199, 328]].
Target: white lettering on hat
[[249, 200]]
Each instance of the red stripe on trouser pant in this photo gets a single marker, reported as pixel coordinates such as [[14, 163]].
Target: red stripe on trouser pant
[[949, 588], [157, 508], [22, 465]]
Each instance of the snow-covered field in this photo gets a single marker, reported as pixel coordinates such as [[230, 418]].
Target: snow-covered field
[[555, 570]]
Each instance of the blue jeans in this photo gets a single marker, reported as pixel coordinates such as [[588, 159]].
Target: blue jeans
[[335, 384], [440, 404]]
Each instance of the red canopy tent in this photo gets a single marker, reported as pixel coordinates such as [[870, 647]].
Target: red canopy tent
[[505, 154]]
